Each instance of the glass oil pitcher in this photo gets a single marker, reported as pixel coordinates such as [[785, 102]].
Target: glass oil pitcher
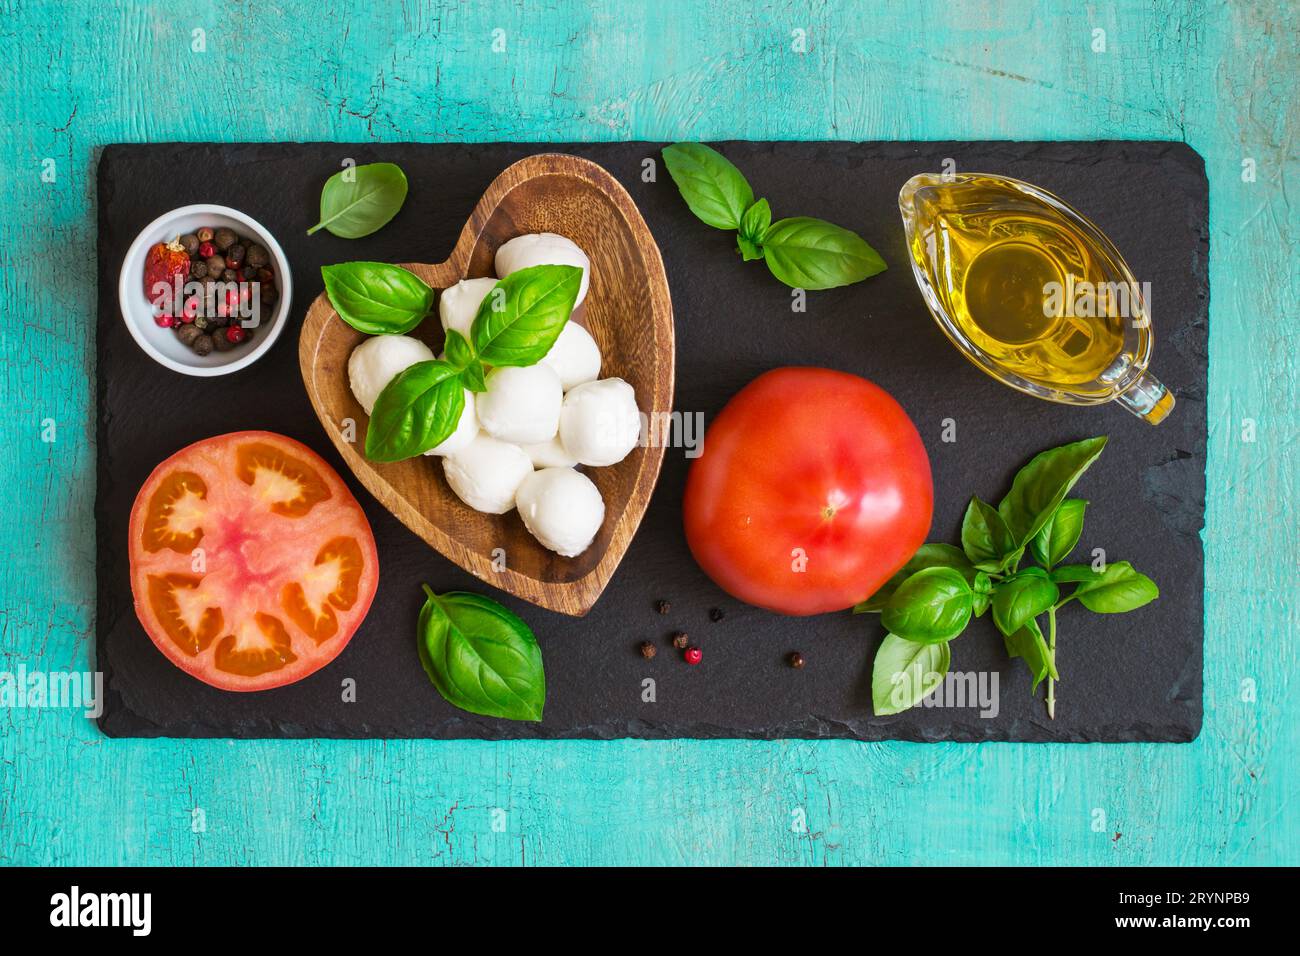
[[1031, 291]]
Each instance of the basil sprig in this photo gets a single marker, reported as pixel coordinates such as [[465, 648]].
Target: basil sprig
[[516, 324], [931, 600], [480, 656], [377, 298], [802, 252], [359, 200]]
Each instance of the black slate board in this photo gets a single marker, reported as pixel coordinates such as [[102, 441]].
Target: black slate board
[[1129, 677]]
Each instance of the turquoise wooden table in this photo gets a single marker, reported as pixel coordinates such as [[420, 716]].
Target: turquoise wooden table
[[1220, 76]]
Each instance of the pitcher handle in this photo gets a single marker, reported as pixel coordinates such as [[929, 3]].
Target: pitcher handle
[[1148, 399]]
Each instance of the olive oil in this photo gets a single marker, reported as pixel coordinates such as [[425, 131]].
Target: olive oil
[[1030, 290]]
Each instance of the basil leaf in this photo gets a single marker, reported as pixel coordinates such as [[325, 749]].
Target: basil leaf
[[458, 350], [473, 376], [1029, 644], [1114, 591], [1022, 598], [927, 556], [480, 656], [983, 591], [519, 327], [1040, 487], [377, 298], [904, 672], [930, 607], [417, 410], [356, 202], [986, 539], [714, 189], [807, 253], [1073, 573], [754, 223], [749, 251], [1056, 539]]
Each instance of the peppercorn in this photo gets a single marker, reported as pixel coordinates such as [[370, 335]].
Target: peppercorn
[[216, 265], [663, 607], [187, 334], [221, 343], [270, 293], [693, 655], [796, 660], [224, 238], [257, 256], [202, 343], [203, 235], [235, 334], [264, 275], [190, 243], [235, 255], [648, 650], [198, 269], [680, 640], [202, 322], [716, 614], [228, 275]]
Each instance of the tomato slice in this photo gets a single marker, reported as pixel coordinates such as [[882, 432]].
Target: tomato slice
[[173, 515], [252, 565]]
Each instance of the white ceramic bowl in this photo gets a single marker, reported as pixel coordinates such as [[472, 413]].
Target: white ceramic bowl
[[138, 312]]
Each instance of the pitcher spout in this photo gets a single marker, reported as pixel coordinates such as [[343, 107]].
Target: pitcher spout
[[1148, 399]]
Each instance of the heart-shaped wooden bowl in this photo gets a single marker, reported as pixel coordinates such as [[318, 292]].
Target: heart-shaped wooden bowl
[[627, 310]]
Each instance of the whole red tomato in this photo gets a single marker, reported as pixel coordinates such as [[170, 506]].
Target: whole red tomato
[[812, 490]]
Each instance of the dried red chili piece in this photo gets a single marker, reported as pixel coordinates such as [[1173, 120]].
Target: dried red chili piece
[[163, 263]]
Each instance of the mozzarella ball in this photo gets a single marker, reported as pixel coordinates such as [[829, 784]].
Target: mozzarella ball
[[458, 305], [543, 249], [562, 509], [466, 430], [574, 356], [486, 474], [378, 360], [599, 423], [549, 454], [521, 404]]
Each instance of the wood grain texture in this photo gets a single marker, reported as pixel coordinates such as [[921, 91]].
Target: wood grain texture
[[627, 310], [1217, 75]]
